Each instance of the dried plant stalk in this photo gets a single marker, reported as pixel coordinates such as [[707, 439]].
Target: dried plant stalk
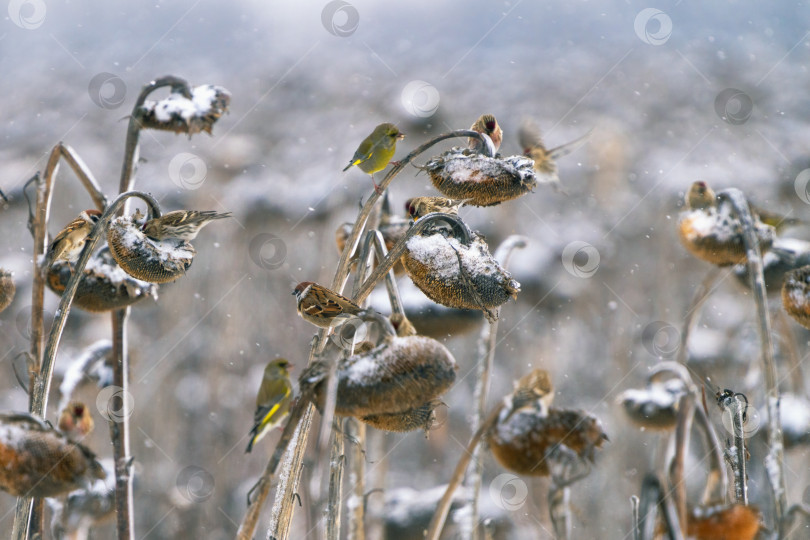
[[775, 459], [486, 354]]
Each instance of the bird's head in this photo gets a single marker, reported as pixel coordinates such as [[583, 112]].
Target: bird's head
[[91, 216], [489, 123], [411, 207], [700, 196], [393, 132], [278, 366], [301, 288]]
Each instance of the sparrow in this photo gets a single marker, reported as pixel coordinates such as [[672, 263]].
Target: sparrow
[[75, 421], [180, 224], [531, 142], [487, 125], [376, 151], [272, 401], [323, 307], [421, 206], [68, 244]]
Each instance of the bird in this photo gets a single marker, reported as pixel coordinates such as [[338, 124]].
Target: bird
[[376, 151], [272, 401], [180, 224], [323, 307], [488, 125], [700, 196], [7, 289], [75, 421], [421, 206], [710, 230], [68, 244], [531, 141]]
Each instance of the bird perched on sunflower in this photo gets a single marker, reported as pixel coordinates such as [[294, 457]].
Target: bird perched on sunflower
[[67, 245], [376, 151]]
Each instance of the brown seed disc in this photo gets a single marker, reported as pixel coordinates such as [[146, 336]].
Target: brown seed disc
[[484, 181], [520, 441], [147, 259], [104, 287]]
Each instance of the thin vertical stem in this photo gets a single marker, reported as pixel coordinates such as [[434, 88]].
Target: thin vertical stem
[[335, 503], [486, 355], [356, 432], [775, 459], [119, 427]]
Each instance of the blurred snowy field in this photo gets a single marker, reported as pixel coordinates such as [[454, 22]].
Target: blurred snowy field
[[307, 85]]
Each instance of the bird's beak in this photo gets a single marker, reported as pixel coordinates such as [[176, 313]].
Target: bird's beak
[[401, 136], [293, 293]]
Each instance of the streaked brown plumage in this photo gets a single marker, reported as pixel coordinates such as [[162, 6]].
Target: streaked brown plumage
[[7, 289], [180, 224], [323, 307], [68, 244], [421, 206], [488, 125]]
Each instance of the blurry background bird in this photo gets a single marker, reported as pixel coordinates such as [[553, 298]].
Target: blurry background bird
[[7, 288], [272, 401], [531, 141], [68, 244], [488, 125], [323, 307], [421, 206], [75, 421], [180, 224], [376, 151], [700, 196]]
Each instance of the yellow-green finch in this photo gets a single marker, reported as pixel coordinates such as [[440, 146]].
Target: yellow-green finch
[[376, 151], [487, 125], [272, 401]]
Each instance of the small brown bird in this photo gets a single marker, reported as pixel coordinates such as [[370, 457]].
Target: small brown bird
[[709, 229], [75, 421], [272, 401], [531, 141], [421, 206], [180, 224], [7, 289], [487, 125], [68, 244], [323, 307], [376, 151]]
